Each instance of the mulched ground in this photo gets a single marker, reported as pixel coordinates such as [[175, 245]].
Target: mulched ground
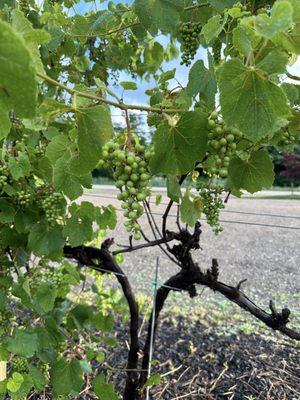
[[208, 365]]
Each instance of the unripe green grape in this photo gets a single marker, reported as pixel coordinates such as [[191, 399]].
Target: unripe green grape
[[230, 138], [219, 130], [130, 160], [145, 177], [105, 154], [134, 177], [127, 169], [119, 184], [223, 172], [232, 146], [137, 236], [129, 184], [223, 142], [135, 165], [141, 196], [132, 190], [214, 115], [132, 215]]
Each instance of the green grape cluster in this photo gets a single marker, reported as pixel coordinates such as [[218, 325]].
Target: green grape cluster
[[54, 276], [4, 174], [19, 364], [131, 174], [216, 51], [51, 202], [23, 198], [154, 119], [24, 6], [40, 149], [286, 138], [190, 35], [222, 143], [212, 204]]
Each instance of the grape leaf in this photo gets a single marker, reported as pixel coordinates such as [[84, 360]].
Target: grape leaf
[[153, 380], [274, 62], [22, 343], [212, 28], [45, 296], [37, 376], [17, 75], [66, 377], [249, 101], [280, 20], [78, 230], [163, 14], [4, 121], [46, 241], [104, 390], [222, 4], [190, 209], [127, 85], [94, 130], [178, 147], [64, 181], [245, 39], [15, 382], [253, 174], [203, 81], [173, 188]]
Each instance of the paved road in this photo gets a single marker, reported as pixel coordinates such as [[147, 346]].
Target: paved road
[[267, 256], [262, 193]]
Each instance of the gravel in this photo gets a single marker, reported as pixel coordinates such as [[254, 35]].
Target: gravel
[[268, 257]]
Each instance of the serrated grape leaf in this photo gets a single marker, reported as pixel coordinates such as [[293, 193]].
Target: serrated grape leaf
[[178, 147], [292, 92], [15, 382], [45, 296], [222, 4], [153, 380], [274, 62], [66, 377], [249, 101], [127, 85], [94, 130], [203, 81], [212, 28], [163, 14], [245, 39], [17, 75], [280, 20], [253, 174], [24, 389], [58, 147], [38, 378], [22, 343], [4, 121], [78, 230], [104, 390], [46, 241], [104, 322], [173, 188], [190, 209], [64, 181], [107, 218], [19, 166], [32, 37]]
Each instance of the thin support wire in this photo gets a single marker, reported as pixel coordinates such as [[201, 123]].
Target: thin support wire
[[152, 325]]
